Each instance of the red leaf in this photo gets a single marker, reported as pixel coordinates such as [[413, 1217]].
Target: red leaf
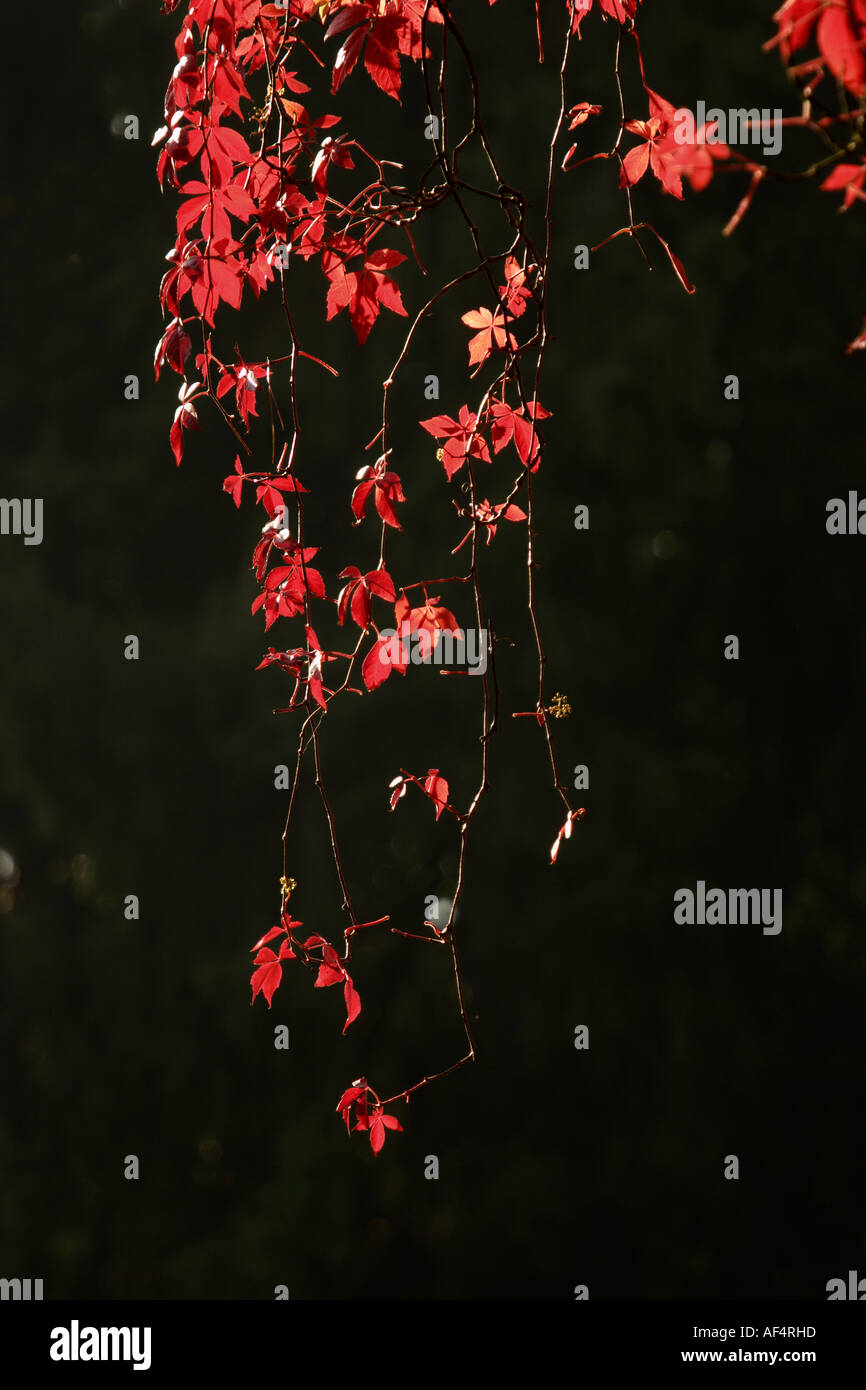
[[634, 166], [347, 58], [399, 785], [493, 333], [679, 268], [565, 831], [515, 291], [173, 347], [377, 1132], [329, 975], [380, 583], [268, 936], [859, 343], [849, 177], [437, 789], [378, 1123], [234, 483], [266, 978], [843, 48], [352, 1001], [346, 18], [362, 606], [351, 1097], [357, 595], [457, 435], [379, 661], [185, 418], [361, 292], [382, 56]]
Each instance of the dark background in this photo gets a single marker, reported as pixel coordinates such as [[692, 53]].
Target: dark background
[[558, 1167]]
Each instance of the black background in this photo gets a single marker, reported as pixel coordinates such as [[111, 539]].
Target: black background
[[155, 777]]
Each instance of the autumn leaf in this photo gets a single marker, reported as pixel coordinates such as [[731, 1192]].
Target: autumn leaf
[[386, 655], [351, 1097], [565, 831], [386, 489], [173, 348], [437, 789], [462, 440], [269, 970], [233, 484], [515, 292], [489, 517], [656, 152], [843, 46], [356, 597], [378, 36], [430, 619], [377, 1123], [518, 426], [269, 491], [620, 10], [492, 333], [858, 344], [362, 292], [185, 418], [398, 787], [679, 268], [580, 114], [370, 1116], [333, 972], [848, 178], [433, 786]]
